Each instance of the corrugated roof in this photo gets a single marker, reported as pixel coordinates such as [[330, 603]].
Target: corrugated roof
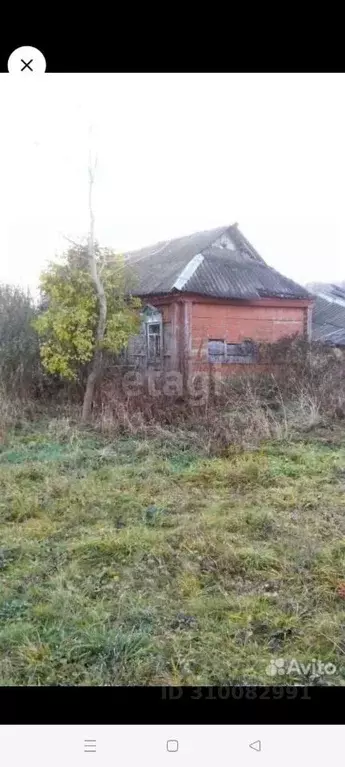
[[333, 291], [228, 267], [158, 266], [328, 321], [216, 277]]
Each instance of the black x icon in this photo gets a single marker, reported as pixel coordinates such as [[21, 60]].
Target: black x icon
[[26, 65]]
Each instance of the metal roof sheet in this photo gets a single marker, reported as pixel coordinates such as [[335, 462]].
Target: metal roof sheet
[[230, 267], [328, 321]]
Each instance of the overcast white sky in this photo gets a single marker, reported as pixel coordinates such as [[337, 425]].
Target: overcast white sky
[[176, 154]]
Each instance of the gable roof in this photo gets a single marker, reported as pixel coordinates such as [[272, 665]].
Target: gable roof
[[328, 317], [218, 263]]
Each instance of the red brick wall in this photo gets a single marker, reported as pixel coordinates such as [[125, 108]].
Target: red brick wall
[[195, 320], [237, 322]]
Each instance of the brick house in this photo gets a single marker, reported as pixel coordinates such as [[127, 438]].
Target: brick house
[[208, 298]]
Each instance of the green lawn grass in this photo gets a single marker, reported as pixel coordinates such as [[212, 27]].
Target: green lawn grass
[[133, 561]]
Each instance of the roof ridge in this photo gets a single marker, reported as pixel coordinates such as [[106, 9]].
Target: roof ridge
[[193, 264], [163, 243]]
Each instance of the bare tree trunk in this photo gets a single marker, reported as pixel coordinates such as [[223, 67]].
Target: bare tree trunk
[[96, 364]]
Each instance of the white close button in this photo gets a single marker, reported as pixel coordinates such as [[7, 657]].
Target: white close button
[[26, 61]]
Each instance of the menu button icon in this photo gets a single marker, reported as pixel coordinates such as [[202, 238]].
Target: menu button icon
[[89, 746]]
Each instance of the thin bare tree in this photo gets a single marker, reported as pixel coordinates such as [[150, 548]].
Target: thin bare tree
[[96, 362]]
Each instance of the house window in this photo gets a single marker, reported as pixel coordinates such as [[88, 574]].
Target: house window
[[152, 328], [154, 340], [220, 351], [216, 350]]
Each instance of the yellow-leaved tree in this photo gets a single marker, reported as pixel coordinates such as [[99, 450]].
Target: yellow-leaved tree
[[68, 321], [89, 308]]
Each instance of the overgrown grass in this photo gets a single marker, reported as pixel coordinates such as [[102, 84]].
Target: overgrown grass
[[143, 561]]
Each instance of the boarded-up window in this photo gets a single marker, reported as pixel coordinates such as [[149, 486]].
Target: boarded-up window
[[244, 352], [220, 351], [216, 351], [137, 346]]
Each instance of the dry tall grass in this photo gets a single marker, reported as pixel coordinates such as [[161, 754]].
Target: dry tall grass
[[304, 390]]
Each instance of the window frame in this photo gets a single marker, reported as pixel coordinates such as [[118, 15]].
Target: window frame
[[152, 316], [232, 359], [149, 324]]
